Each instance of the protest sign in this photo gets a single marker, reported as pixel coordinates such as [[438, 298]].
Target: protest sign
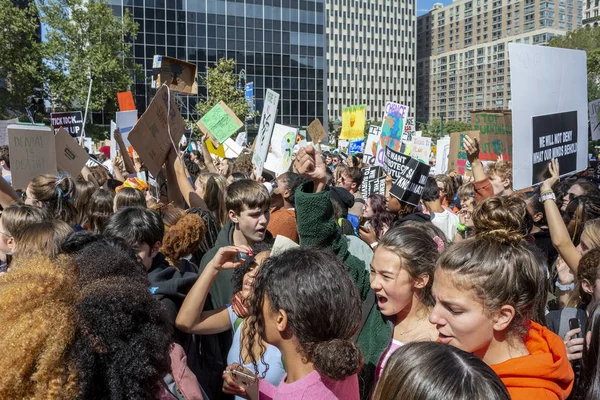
[[3, 132], [457, 161], [150, 136], [70, 156], [218, 151], [353, 122], [356, 146], [392, 128], [343, 145], [408, 176], [72, 121], [543, 93], [421, 149], [177, 74], [265, 129], [495, 134], [279, 158], [232, 148], [219, 123], [409, 129], [594, 121], [126, 120], [373, 152], [554, 136], [242, 138], [126, 102], [32, 153], [441, 155], [373, 182], [113, 143], [249, 96], [316, 131]]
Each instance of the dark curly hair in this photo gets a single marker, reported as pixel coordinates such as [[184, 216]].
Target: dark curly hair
[[381, 217], [322, 305], [237, 278], [123, 341]]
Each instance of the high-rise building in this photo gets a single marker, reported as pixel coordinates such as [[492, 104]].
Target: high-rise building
[[462, 51], [371, 55], [279, 43], [591, 11]]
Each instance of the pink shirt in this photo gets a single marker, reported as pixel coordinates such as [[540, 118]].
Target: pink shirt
[[312, 387], [393, 346]]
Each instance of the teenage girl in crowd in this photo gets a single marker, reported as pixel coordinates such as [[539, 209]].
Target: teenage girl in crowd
[[485, 290], [53, 194], [306, 305], [401, 273], [376, 219]]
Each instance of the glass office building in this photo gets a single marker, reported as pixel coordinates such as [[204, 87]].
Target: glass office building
[[279, 43]]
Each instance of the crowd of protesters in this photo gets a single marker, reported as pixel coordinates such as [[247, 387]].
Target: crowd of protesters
[[209, 282]]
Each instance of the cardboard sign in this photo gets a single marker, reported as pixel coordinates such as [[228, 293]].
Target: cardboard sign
[[150, 136], [421, 149], [282, 147], [71, 121], [441, 155], [495, 134], [220, 123], [126, 120], [267, 122], [356, 146], [541, 87], [179, 75], [408, 176], [126, 102], [32, 153], [4, 132], [316, 131], [594, 121], [392, 128], [373, 182], [70, 156], [353, 122], [458, 156], [554, 136]]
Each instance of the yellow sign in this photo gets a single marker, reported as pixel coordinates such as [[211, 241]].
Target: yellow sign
[[353, 122], [219, 151]]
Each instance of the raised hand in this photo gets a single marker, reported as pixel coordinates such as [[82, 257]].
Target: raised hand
[[471, 146], [554, 169], [230, 257], [309, 163]]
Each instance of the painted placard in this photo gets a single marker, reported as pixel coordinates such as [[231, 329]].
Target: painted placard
[[219, 123], [279, 158], [392, 128], [71, 121], [457, 161], [265, 130], [32, 153], [353, 122], [441, 155], [594, 119], [421, 149], [495, 134], [356, 146], [409, 129]]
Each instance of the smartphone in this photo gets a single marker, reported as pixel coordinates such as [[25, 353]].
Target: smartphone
[[574, 324], [248, 381]]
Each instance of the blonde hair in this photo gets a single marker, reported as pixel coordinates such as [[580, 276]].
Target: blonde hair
[[42, 239], [592, 231], [215, 188], [37, 327]]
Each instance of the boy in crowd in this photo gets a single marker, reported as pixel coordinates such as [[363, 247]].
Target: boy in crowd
[[440, 217], [351, 180], [498, 181]]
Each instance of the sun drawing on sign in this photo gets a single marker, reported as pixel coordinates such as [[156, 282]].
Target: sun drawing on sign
[[352, 120], [287, 146]]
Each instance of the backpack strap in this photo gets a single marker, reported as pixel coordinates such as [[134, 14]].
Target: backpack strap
[[565, 315], [237, 323], [367, 306]]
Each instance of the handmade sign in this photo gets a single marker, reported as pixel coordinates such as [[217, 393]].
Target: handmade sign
[[316, 131], [356, 146], [265, 129], [32, 153], [126, 102], [3, 131], [343, 145], [70, 156], [408, 176], [220, 123], [218, 151], [544, 94], [421, 149], [279, 158], [113, 143], [409, 129], [353, 122], [232, 148], [441, 155], [126, 120], [72, 121], [373, 182], [594, 120], [392, 128], [458, 156], [242, 138], [150, 136], [177, 74], [495, 134]]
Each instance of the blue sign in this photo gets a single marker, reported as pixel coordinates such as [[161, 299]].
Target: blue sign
[[250, 96], [356, 147]]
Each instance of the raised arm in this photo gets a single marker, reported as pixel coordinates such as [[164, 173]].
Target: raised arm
[[483, 186], [191, 318], [185, 187], [129, 167], [172, 186], [208, 160], [558, 230]]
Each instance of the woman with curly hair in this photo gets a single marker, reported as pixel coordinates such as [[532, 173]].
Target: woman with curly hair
[[38, 327], [376, 219]]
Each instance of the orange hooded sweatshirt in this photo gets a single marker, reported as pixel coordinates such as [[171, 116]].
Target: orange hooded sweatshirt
[[543, 374]]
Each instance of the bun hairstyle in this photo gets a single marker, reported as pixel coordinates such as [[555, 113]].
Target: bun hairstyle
[[508, 213], [501, 270], [322, 306], [55, 194]]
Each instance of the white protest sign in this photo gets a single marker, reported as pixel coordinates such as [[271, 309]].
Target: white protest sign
[[594, 122], [32, 153], [421, 149], [265, 129], [241, 138], [126, 120], [3, 131], [279, 158], [441, 155], [549, 111], [409, 129], [113, 144], [232, 148]]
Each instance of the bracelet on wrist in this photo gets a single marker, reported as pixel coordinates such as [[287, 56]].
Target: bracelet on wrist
[[460, 227], [547, 196], [565, 288]]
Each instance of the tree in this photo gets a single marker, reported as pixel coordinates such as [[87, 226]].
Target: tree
[[587, 39], [84, 39], [220, 82], [20, 60], [432, 128]]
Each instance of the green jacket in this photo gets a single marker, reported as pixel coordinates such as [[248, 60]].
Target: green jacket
[[317, 228]]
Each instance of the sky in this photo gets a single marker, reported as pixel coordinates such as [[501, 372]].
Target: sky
[[423, 6]]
